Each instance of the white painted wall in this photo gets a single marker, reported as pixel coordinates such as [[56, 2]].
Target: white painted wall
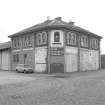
[[40, 59], [89, 60], [71, 59]]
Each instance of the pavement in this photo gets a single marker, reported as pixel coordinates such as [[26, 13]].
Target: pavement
[[80, 88]]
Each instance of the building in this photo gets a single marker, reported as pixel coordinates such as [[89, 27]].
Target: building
[[56, 46], [103, 61], [5, 56]]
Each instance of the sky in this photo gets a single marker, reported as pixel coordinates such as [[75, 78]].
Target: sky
[[16, 15]]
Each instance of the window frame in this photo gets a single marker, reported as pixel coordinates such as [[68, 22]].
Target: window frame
[[84, 41], [43, 40], [16, 58], [71, 38], [94, 43]]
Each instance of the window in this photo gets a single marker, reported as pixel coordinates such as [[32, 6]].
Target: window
[[44, 37], [71, 38], [16, 43], [25, 57], [56, 36], [41, 38], [84, 41], [94, 43], [16, 58], [38, 38], [29, 41]]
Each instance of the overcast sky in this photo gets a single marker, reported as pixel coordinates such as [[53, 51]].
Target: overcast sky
[[16, 15]]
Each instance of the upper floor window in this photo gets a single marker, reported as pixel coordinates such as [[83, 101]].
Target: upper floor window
[[16, 43], [56, 36], [44, 37], [16, 58], [27, 41], [94, 44], [41, 38], [84, 41], [71, 38]]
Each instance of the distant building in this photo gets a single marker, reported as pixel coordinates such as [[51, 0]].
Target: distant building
[[103, 61], [5, 56], [56, 46]]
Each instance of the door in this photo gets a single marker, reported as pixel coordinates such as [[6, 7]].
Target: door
[[56, 68]]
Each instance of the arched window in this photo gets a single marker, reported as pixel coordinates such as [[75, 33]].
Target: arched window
[[41, 38], [44, 37], [56, 36]]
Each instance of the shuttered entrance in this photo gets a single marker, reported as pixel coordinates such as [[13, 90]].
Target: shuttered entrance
[[56, 68]]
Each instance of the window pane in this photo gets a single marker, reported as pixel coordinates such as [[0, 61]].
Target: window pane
[[56, 37], [44, 37], [38, 38], [71, 38], [84, 41]]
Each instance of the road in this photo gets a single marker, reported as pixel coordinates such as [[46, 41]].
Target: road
[[87, 88]]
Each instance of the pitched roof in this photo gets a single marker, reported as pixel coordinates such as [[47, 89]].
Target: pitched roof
[[57, 22], [5, 45]]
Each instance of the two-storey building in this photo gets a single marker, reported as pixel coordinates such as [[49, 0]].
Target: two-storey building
[[56, 46]]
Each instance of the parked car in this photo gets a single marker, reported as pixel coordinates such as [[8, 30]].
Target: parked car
[[24, 68]]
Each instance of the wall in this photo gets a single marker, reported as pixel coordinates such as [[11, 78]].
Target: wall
[[5, 59], [89, 59], [24, 50], [71, 59], [29, 59], [41, 59]]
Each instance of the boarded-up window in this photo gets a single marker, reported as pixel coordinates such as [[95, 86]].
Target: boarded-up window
[[71, 38]]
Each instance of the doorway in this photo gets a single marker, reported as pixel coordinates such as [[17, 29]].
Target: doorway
[[56, 68]]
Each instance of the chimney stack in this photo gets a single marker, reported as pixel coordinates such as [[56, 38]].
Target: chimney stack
[[71, 22], [58, 18], [48, 17]]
